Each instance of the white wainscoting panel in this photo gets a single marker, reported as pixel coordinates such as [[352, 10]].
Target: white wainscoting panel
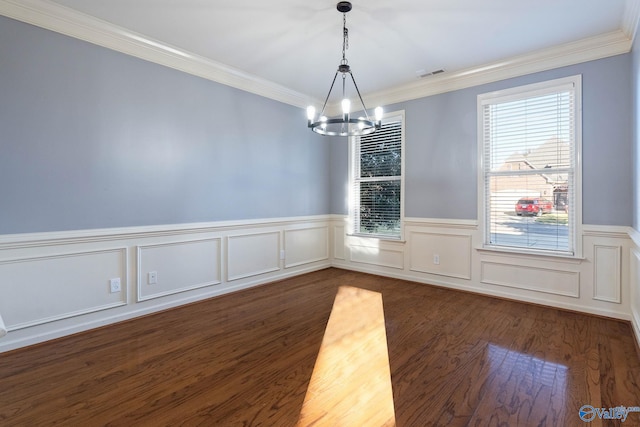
[[606, 273], [376, 252], [252, 254], [597, 282], [634, 266], [306, 245], [44, 289], [453, 251], [179, 266], [54, 284], [547, 280], [338, 242]]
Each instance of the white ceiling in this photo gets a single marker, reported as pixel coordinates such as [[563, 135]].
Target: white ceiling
[[297, 43]]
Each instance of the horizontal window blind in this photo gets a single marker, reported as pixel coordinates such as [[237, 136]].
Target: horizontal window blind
[[529, 169], [377, 180]]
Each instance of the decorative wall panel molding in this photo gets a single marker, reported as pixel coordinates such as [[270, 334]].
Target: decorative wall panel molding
[[634, 280], [169, 268], [57, 283], [71, 270], [42, 289], [252, 254], [306, 245], [605, 282], [338, 242], [442, 254], [558, 281], [377, 255], [606, 274], [547, 280]]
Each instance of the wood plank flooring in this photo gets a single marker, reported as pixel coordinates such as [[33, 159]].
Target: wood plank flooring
[[247, 359]]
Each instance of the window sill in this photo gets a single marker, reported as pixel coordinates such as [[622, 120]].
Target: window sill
[[385, 239], [531, 253]]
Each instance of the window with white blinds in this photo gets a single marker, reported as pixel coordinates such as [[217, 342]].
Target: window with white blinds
[[376, 178], [530, 177]]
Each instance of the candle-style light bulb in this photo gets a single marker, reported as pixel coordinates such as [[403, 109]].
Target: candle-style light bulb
[[346, 106], [311, 113], [379, 112]]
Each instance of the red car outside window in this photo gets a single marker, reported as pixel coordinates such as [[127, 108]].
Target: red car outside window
[[533, 206]]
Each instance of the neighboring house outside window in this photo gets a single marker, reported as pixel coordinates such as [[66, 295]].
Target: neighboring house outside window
[[530, 181], [377, 183]]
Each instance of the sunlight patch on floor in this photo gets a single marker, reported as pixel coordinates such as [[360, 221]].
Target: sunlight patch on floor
[[351, 380]]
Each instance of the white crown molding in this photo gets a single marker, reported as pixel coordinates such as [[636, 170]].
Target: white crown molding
[[55, 17], [631, 18], [63, 20], [589, 49]]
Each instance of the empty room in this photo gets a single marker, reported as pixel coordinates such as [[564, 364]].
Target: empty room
[[295, 213]]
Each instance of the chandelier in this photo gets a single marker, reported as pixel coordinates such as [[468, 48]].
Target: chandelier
[[344, 125]]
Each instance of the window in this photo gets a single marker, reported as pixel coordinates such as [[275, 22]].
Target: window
[[376, 178], [530, 179]]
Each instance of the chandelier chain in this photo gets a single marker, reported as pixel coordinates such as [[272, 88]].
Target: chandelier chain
[[345, 39]]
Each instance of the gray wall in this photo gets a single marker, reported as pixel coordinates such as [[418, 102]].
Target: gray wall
[[91, 138], [441, 147], [635, 77]]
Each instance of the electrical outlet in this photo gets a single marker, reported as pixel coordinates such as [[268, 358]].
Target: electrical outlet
[[152, 278], [436, 259], [282, 254], [114, 285]]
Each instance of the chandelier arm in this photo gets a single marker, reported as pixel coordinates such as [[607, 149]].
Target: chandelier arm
[[329, 94], [359, 96]]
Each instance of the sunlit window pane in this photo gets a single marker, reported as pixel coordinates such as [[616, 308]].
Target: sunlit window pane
[[529, 160], [377, 181]]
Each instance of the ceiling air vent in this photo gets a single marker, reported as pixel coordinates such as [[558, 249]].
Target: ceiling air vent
[[423, 73]]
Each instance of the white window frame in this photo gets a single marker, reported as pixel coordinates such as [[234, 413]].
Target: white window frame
[[518, 93], [354, 171]]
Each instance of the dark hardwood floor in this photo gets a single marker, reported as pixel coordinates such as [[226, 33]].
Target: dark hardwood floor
[[455, 359]]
